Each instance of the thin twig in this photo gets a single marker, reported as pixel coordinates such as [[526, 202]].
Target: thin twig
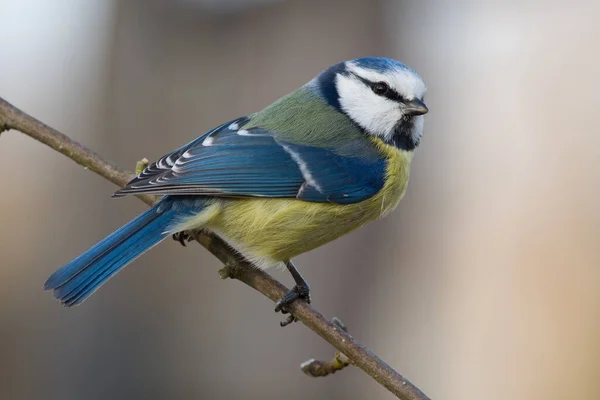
[[319, 368], [236, 266]]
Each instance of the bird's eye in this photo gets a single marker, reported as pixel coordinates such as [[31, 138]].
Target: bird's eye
[[380, 88]]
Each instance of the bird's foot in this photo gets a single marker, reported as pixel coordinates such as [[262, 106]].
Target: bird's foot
[[183, 237], [298, 292]]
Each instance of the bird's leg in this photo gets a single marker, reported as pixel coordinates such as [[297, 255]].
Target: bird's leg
[[183, 237], [300, 291]]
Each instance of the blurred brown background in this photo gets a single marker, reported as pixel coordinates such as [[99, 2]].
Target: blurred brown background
[[484, 284]]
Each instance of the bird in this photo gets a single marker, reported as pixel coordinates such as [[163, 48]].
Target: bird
[[314, 165]]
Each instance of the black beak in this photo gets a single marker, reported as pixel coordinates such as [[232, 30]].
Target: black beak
[[415, 107]]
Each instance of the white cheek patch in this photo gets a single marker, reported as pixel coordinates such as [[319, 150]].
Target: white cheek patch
[[377, 115]]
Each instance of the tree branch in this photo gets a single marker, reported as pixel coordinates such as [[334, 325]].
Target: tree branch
[[236, 266]]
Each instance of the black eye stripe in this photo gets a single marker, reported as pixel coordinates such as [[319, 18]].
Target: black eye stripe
[[393, 95], [390, 94]]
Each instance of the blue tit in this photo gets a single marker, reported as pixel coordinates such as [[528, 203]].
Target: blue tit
[[314, 165]]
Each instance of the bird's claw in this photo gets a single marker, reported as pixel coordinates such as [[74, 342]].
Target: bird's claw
[[183, 237], [290, 318], [297, 293]]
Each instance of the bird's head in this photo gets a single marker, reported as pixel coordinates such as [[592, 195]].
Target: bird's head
[[382, 96]]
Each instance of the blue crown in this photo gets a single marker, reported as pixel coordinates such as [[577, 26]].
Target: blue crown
[[381, 64]]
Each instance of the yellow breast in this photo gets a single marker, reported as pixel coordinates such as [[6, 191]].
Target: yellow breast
[[268, 231]]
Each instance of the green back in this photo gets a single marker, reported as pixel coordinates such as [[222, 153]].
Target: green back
[[303, 118]]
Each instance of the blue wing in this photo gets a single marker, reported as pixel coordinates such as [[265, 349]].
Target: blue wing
[[234, 162]]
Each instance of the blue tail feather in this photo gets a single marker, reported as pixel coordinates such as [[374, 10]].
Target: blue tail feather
[[78, 279]]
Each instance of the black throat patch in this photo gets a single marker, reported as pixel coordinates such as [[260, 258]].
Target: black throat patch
[[403, 135]]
